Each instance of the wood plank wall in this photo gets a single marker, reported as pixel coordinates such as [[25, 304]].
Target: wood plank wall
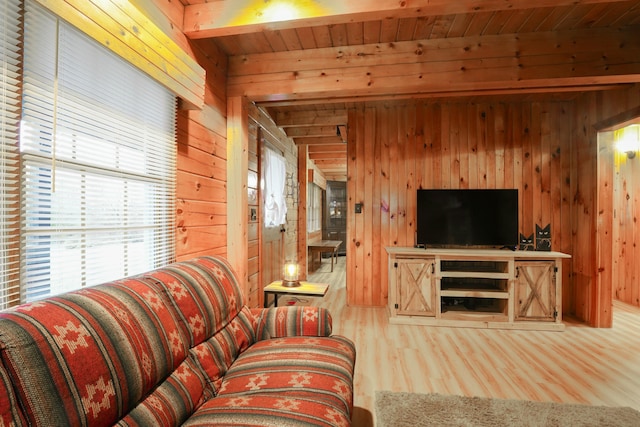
[[201, 189], [395, 149]]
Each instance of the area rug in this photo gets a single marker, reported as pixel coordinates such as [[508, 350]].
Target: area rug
[[418, 410]]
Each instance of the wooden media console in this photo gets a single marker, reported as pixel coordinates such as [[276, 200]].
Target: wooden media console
[[482, 288]]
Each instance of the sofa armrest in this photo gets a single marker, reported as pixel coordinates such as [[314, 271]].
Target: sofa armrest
[[291, 321]]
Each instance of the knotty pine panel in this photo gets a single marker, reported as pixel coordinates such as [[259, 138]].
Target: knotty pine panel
[[200, 191], [197, 213], [395, 149]]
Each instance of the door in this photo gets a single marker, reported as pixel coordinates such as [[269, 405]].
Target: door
[[271, 234], [335, 214], [416, 290], [535, 290]]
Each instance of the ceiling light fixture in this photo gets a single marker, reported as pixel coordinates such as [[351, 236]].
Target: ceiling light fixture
[[248, 12], [627, 140], [280, 11]]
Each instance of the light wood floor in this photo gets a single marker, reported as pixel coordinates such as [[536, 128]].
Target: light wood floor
[[579, 365]]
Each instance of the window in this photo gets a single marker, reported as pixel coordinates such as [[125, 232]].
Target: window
[[275, 174], [9, 116], [314, 208], [97, 141]]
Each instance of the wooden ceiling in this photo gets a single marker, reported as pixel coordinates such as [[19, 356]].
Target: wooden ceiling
[[307, 71]]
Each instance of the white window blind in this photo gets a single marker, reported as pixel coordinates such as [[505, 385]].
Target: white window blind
[[9, 161], [98, 163]]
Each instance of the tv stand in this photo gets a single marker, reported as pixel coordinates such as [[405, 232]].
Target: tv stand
[[483, 288]]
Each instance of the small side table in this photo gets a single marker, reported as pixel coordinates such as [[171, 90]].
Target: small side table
[[305, 288]]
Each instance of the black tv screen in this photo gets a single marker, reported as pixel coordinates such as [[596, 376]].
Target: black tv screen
[[456, 218]]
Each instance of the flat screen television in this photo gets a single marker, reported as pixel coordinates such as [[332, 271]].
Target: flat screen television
[[462, 218]]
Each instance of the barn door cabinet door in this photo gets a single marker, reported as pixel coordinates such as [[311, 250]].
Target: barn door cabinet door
[[535, 291], [416, 287]]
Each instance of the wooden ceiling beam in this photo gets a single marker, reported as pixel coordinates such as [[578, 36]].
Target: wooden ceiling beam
[[330, 117], [525, 62], [327, 156], [321, 140], [526, 45], [563, 92], [217, 18], [336, 163], [328, 148], [311, 131]]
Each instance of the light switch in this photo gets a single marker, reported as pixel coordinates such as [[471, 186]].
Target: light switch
[[358, 207]]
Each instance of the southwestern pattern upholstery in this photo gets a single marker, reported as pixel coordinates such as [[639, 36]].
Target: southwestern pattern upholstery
[[175, 346]]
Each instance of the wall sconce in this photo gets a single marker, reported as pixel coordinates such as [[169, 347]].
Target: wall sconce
[[628, 140], [290, 277]]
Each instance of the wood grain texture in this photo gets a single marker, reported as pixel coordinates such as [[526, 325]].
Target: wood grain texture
[[446, 66], [464, 140], [220, 18], [580, 365], [201, 193], [237, 206]]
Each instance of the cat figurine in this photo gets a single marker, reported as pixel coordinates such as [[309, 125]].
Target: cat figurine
[[543, 238], [526, 243]]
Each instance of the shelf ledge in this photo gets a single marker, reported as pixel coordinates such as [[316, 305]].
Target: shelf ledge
[[474, 294]]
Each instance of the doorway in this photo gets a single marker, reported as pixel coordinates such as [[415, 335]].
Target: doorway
[[335, 214], [618, 234], [273, 213]]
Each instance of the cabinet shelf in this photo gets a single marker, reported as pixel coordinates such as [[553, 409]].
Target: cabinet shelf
[[474, 283], [486, 316], [474, 275], [475, 293]]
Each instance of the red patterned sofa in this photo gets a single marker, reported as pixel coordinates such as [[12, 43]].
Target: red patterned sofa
[[175, 346]]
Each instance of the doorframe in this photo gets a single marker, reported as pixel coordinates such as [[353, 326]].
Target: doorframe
[[601, 314], [303, 181]]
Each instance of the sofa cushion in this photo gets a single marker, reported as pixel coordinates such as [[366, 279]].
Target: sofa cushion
[[215, 356], [10, 414], [92, 354], [316, 369], [267, 410], [205, 294], [291, 321], [172, 402]]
